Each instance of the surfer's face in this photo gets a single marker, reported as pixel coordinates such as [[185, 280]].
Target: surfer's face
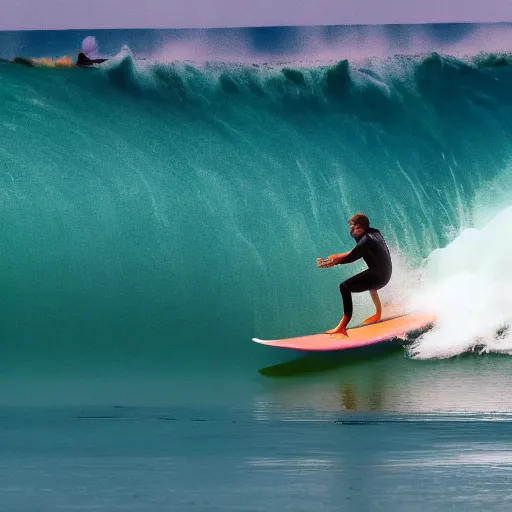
[[356, 231]]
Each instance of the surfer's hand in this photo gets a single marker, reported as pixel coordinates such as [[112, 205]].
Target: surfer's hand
[[320, 263]]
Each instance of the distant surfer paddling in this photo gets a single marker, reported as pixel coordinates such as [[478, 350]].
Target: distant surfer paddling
[[372, 247], [84, 62]]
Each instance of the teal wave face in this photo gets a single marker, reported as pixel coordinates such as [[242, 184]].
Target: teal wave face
[[144, 207]]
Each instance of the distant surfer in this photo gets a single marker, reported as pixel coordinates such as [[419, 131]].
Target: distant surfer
[[89, 51], [372, 247], [84, 62]]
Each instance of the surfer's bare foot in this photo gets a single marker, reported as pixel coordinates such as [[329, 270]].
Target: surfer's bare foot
[[372, 319], [341, 327], [336, 329], [340, 335]]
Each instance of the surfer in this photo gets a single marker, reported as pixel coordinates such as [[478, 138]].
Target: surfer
[[84, 62], [372, 247]]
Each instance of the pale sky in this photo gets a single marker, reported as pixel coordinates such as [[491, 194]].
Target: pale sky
[[91, 14]]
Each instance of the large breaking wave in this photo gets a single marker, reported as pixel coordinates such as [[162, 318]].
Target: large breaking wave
[[145, 204]]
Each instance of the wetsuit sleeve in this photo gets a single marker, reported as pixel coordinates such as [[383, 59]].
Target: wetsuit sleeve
[[358, 251]]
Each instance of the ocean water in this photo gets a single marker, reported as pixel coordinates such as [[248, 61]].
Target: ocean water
[[157, 215]]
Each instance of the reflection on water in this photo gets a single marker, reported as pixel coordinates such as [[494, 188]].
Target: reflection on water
[[349, 398], [389, 383]]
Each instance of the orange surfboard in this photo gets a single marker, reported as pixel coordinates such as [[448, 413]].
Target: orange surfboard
[[359, 336]]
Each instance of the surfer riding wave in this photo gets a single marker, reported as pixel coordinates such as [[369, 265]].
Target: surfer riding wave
[[372, 247]]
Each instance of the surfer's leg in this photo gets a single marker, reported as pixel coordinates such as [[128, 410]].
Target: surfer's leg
[[378, 308], [359, 283], [346, 295]]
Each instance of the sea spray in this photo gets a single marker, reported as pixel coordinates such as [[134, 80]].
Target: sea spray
[[467, 285]]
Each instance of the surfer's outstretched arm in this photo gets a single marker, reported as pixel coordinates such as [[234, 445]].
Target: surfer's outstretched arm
[[333, 259], [347, 257], [342, 255]]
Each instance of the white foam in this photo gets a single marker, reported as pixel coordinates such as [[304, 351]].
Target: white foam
[[468, 284]]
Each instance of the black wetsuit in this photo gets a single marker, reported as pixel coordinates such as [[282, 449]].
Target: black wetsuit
[[373, 249]]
